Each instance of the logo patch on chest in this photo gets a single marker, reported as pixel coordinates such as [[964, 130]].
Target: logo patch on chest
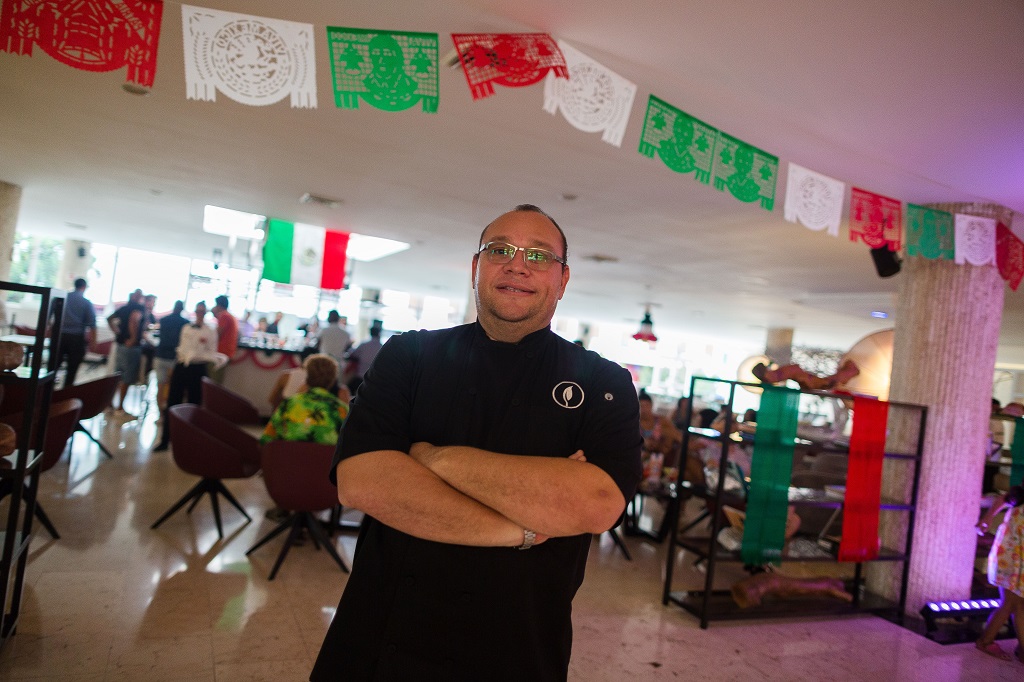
[[567, 394]]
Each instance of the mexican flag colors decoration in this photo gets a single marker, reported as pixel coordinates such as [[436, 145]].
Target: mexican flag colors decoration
[[304, 254]]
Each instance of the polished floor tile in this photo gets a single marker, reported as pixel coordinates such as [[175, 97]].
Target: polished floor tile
[[114, 600]]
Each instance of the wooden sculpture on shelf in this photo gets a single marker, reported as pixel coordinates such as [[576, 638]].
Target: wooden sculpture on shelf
[[750, 591], [806, 380], [11, 355]]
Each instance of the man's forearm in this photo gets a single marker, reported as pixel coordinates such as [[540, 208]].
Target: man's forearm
[[555, 496], [396, 490]]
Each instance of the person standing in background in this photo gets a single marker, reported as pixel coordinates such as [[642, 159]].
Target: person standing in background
[[334, 339], [127, 323], [362, 356], [197, 348], [78, 330], [272, 328], [245, 327], [227, 336], [170, 334]]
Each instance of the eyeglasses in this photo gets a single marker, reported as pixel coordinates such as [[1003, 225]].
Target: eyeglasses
[[500, 253]]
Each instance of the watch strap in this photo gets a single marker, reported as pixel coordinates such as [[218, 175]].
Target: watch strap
[[529, 537]]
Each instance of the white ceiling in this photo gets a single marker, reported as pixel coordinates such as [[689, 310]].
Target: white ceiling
[[922, 100]]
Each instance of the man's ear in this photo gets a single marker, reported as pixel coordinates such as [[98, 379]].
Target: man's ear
[[565, 281]]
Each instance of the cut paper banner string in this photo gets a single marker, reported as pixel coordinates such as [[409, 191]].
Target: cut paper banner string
[[975, 240], [514, 60], [102, 35], [875, 220], [814, 200], [1009, 256], [929, 233], [304, 254], [863, 497], [771, 469], [593, 99], [683, 143], [252, 60], [747, 172], [389, 70]]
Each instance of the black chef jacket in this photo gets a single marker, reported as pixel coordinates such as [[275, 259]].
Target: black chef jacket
[[416, 609]]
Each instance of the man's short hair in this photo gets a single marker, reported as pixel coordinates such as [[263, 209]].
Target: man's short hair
[[321, 371], [333, 316], [80, 283], [530, 208], [222, 301], [178, 307]]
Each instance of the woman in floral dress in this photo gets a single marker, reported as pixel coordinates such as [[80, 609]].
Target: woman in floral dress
[[1006, 571]]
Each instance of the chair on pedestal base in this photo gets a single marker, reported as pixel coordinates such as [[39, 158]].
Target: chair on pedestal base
[[208, 446], [296, 477]]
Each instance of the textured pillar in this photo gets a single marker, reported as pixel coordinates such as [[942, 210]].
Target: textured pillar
[[778, 345], [947, 329], [10, 203]]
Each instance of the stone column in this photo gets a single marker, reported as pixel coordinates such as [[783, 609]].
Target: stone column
[[947, 329], [778, 345], [10, 203]]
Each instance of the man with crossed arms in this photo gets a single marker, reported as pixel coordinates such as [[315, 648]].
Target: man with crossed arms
[[485, 456]]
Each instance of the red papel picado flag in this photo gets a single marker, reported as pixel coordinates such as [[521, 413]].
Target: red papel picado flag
[[92, 35], [514, 60]]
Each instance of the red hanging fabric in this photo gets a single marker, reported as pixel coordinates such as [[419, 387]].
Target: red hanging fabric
[[514, 60], [876, 220], [101, 35], [864, 481], [1009, 256]]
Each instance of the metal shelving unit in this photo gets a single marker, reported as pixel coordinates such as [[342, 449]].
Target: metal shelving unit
[[34, 383], [717, 604]]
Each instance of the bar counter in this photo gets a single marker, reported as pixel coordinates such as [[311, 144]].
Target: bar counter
[[255, 367]]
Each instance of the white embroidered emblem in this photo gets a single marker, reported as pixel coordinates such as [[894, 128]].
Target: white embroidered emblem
[[568, 394]]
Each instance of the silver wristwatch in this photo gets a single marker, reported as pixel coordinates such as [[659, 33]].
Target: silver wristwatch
[[529, 537]]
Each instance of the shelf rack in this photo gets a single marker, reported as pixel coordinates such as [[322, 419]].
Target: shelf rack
[[33, 383], [709, 603]]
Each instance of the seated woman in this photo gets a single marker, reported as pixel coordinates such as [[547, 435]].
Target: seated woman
[[314, 414], [292, 381]]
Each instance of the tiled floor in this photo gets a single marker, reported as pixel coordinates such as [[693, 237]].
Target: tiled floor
[[114, 600]]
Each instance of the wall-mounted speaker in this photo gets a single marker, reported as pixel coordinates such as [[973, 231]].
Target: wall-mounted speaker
[[886, 262]]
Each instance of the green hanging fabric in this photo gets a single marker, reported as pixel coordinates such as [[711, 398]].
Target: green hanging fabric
[[929, 233], [683, 143], [771, 468], [1017, 453], [747, 172], [390, 70]]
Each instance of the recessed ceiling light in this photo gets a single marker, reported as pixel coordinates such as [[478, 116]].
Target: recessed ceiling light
[[231, 223], [569, 196], [365, 248], [76, 226], [601, 258], [881, 315]]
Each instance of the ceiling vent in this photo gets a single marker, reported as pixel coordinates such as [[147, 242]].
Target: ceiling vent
[[308, 198]]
